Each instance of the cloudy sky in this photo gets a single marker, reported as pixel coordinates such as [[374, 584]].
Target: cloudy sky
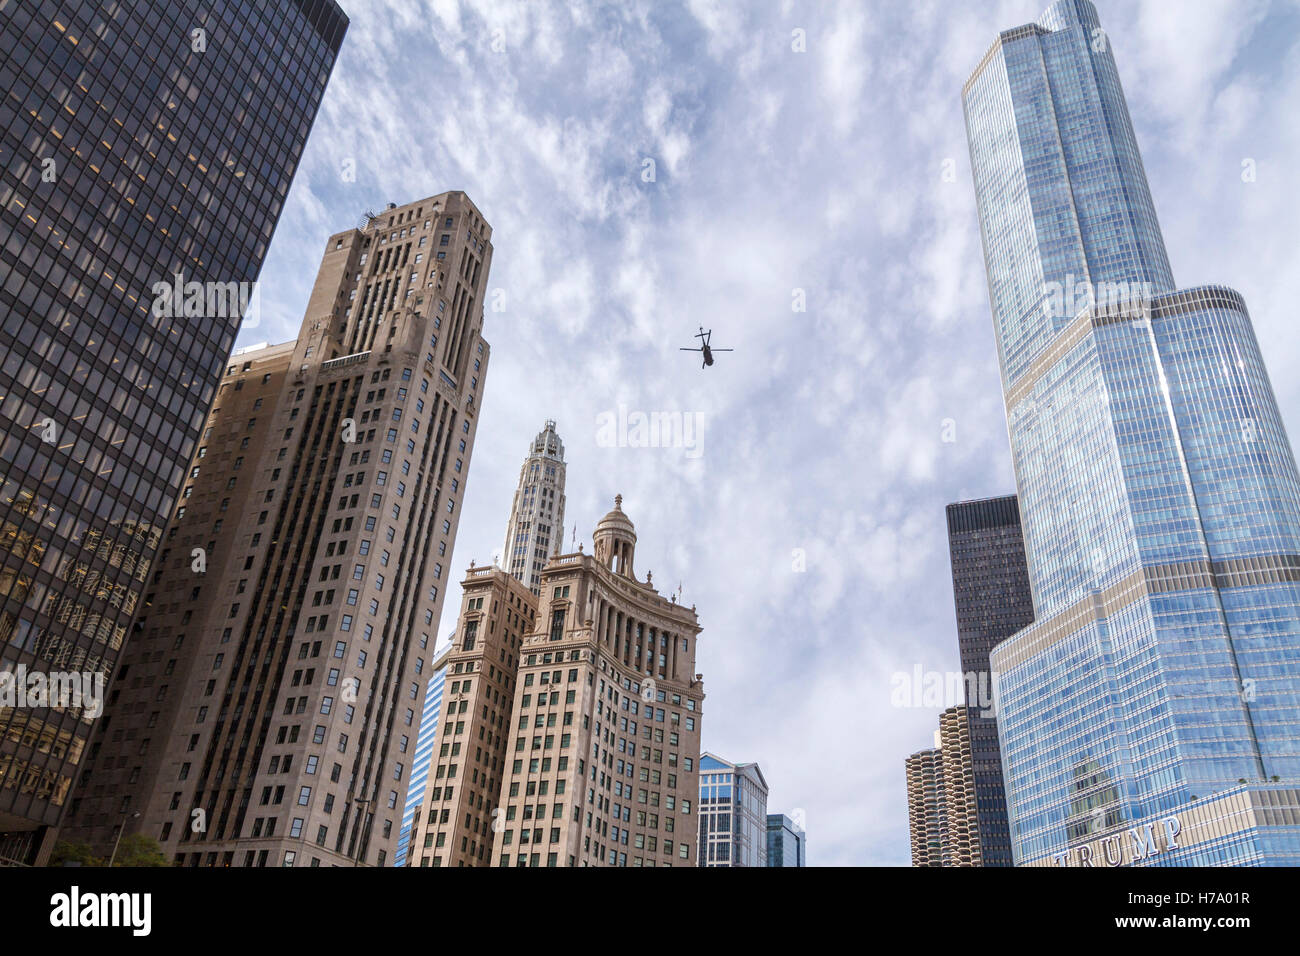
[[652, 167]]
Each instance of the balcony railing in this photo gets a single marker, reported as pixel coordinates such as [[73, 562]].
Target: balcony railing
[[346, 360]]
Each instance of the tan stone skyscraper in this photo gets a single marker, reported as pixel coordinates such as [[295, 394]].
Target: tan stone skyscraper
[[454, 825], [267, 707], [604, 755]]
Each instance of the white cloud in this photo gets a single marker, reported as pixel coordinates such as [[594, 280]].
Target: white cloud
[[818, 171]]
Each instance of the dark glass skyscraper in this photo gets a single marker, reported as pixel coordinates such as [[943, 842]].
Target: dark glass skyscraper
[[1151, 713], [146, 144], [990, 585]]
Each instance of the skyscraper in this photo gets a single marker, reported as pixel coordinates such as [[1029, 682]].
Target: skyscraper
[[1151, 713], [536, 528], [926, 817], [604, 759], [942, 801], [787, 843], [990, 584], [463, 792], [267, 708], [733, 813], [132, 161], [425, 743], [959, 796]]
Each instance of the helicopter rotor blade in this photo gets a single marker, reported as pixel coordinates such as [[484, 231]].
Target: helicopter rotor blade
[[690, 350]]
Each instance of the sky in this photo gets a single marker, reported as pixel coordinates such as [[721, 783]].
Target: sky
[[796, 178]]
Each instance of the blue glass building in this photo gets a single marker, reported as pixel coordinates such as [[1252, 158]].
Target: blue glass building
[[1151, 713], [424, 742], [787, 843]]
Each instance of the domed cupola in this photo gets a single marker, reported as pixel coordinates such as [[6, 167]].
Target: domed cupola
[[615, 540]]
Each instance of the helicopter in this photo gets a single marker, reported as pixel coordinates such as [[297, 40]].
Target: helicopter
[[705, 348]]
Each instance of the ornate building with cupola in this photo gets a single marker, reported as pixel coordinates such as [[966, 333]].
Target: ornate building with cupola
[[603, 766]]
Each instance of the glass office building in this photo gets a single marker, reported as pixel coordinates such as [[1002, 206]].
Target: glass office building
[[787, 843], [990, 586], [424, 742], [146, 143], [733, 813], [1151, 713]]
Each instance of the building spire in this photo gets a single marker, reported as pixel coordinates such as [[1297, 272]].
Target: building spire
[[535, 530]]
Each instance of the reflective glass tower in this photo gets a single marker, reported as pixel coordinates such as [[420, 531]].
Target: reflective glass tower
[[1151, 713], [145, 142], [428, 736], [787, 843]]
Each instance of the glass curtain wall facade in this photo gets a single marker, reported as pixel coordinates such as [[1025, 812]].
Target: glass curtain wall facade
[[144, 142], [787, 843], [990, 585], [424, 744], [1151, 714]]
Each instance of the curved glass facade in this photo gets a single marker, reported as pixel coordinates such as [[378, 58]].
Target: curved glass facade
[[424, 742], [1159, 494]]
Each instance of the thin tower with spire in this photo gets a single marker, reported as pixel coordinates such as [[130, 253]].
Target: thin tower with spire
[[536, 527]]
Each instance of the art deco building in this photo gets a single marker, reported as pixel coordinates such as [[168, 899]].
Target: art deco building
[[1151, 713], [990, 584], [130, 159], [603, 758], [425, 745], [268, 708], [462, 794], [536, 528], [926, 816], [787, 842], [733, 813]]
